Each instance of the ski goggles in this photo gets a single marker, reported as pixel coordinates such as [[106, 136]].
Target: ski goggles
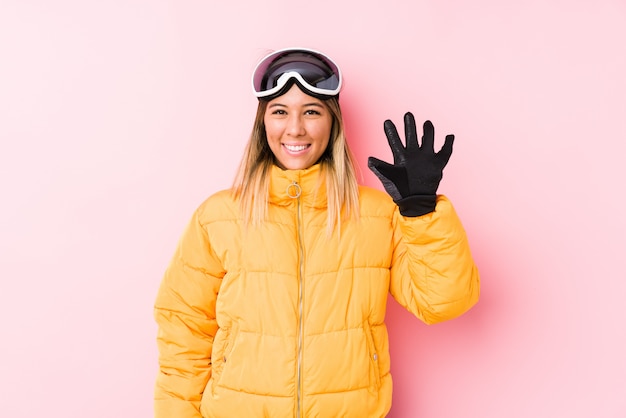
[[313, 71]]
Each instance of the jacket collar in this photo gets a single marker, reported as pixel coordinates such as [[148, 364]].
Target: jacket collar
[[308, 185]]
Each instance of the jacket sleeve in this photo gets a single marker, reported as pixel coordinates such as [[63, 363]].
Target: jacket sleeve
[[433, 273], [185, 315]]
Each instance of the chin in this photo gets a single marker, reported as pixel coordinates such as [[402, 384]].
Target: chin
[[294, 165]]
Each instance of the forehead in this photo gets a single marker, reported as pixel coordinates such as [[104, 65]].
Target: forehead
[[295, 97]]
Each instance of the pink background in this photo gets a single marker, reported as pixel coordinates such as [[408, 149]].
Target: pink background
[[118, 118]]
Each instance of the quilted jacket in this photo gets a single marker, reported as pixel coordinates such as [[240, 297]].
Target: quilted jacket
[[283, 320]]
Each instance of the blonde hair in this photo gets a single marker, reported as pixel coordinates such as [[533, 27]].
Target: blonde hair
[[251, 184]]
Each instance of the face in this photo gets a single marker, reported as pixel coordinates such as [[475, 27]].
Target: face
[[298, 129]]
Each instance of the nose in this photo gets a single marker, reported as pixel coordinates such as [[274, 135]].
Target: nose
[[295, 126]]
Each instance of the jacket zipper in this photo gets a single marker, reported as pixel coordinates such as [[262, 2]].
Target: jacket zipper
[[294, 190]]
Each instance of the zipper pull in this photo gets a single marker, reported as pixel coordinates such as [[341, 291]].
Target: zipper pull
[[294, 190]]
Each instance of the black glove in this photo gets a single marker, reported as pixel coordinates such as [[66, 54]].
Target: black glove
[[414, 177]]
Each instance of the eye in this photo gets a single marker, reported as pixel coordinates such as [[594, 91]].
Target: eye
[[312, 112], [279, 112]]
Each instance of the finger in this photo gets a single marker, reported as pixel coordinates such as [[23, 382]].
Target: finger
[[385, 172], [446, 151], [410, 132], [397, 148], [373, 162], [380, 167], [428, 140]]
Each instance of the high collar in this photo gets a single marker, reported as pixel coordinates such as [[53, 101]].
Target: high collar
[[308, 185]]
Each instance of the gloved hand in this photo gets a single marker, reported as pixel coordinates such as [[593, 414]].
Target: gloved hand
[[414, 177]]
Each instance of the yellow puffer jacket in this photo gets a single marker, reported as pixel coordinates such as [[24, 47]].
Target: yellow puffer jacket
[[282, 320]]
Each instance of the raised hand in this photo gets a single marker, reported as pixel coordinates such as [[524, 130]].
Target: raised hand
[[413, 178]]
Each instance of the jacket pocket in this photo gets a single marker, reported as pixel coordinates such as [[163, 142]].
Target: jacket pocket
[[373, 356], [222, 347]]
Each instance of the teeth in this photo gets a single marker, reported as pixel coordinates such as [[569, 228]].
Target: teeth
[[296, 148]]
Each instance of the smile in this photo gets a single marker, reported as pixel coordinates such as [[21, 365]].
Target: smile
[[296, 148]]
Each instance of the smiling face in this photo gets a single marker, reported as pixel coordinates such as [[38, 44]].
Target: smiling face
[[298, 129]]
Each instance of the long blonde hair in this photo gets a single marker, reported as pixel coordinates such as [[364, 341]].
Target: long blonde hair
[[251, 183]]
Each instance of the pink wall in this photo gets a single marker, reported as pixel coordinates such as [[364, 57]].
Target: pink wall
[[117, 118]]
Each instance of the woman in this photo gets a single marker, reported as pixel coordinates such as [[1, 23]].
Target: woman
[[274, 303]]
